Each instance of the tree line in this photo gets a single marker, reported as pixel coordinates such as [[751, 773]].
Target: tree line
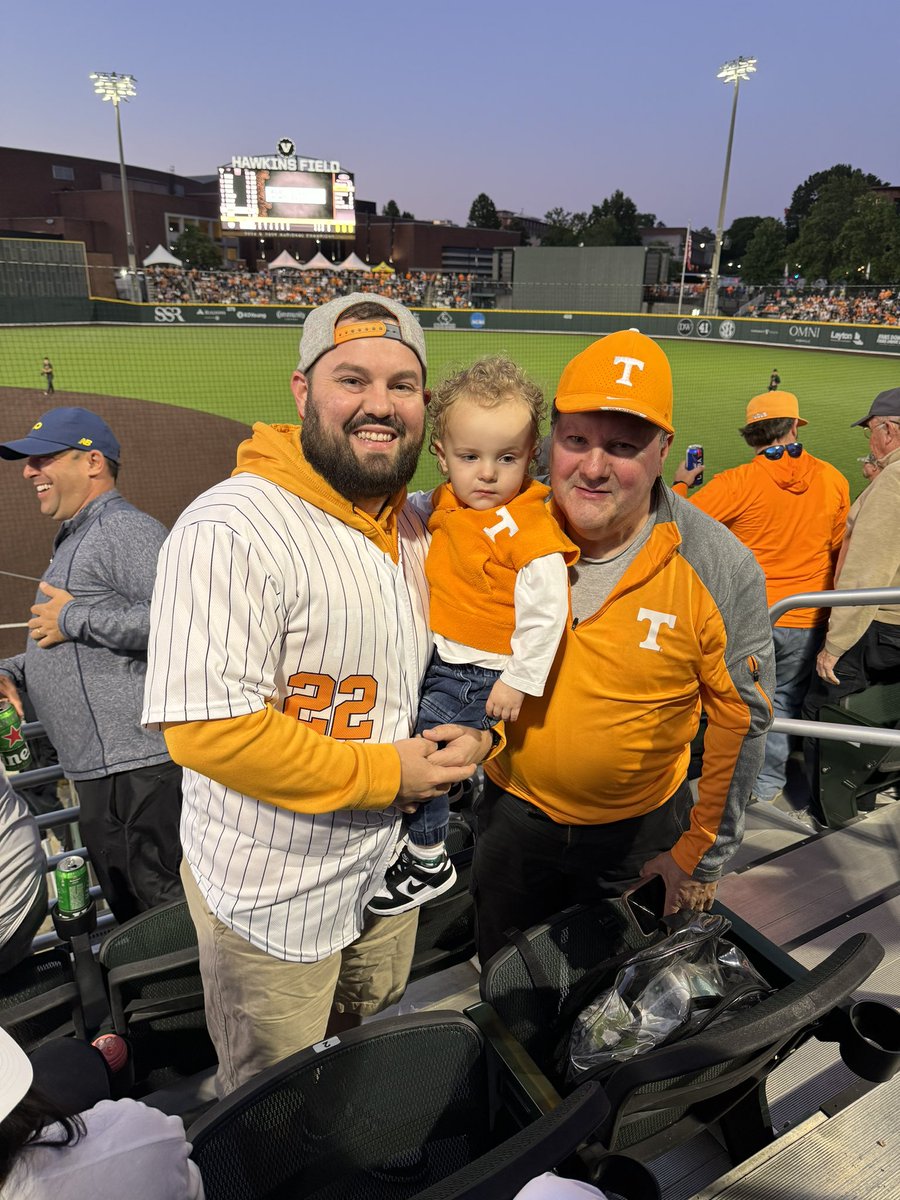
[[835, 228]]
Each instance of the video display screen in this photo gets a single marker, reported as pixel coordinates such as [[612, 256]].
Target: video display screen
[[305, 203]]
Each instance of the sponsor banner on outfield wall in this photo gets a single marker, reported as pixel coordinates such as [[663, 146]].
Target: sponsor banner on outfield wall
[[722, 330]]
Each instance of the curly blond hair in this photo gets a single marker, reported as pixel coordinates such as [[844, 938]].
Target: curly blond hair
[[489, 382]]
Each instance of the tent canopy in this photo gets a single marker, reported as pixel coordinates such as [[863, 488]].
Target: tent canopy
[[160, 257], [354, 263], [383, 266], [319, 262], [286, 259]]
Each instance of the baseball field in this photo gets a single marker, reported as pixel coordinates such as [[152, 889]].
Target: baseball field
[[180, 400], [243, 374]]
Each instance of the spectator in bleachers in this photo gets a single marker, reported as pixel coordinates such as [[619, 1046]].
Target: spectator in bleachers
[[879, 308], [300, 637], [790, 509], [85, 659], [52, 1151], [23, 880], [862, 643], [285, 285]]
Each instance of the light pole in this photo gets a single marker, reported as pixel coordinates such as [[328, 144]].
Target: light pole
[[116, 88], [732, 72]]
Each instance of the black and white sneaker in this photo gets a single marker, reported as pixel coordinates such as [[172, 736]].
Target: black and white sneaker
[[409, 883]]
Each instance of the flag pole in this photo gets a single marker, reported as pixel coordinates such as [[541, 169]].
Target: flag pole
[[687, 246]]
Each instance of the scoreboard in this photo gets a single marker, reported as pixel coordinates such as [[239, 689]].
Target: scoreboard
[[281, 195]]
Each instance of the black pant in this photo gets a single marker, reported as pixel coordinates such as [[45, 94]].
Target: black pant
[[875, 658], [527, 867], [130, 826]]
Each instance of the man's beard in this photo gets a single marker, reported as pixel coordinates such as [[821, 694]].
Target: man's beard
[[331, 454]]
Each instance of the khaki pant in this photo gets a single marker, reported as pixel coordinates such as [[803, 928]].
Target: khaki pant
[[260, 1009]]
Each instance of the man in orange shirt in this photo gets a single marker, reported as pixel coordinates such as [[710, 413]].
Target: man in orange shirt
[[790, 509], [668, 614]]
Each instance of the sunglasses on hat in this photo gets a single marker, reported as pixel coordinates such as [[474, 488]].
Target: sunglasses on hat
[[794, 449]]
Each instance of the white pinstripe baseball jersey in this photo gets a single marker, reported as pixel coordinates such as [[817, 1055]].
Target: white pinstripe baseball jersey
[[261, 596]]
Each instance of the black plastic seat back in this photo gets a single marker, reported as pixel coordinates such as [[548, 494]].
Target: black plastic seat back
[[39, 999], [156, 993], [658, 1097], [389, 1112], [653, 1091], [568, 947]]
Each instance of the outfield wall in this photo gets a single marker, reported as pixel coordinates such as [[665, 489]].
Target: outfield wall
[[813, 335]]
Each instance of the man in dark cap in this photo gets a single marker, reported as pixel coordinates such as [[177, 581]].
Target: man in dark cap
[[86, 658], [862, 645]]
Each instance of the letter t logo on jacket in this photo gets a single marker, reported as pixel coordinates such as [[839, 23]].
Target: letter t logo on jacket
[[657, 620]]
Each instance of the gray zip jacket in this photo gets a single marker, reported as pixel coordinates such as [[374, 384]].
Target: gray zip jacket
[[88, 691]]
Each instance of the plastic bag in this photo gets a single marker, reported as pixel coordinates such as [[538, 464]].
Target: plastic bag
[[665, 991]]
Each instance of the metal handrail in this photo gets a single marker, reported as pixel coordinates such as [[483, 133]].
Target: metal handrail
[[827, 731]]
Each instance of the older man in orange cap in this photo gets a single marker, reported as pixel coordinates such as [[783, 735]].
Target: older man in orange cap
[[790, 509], [590, 793]]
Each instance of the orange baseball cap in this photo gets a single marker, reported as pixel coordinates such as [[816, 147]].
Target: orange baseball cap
[[771, 405], [622, 372]]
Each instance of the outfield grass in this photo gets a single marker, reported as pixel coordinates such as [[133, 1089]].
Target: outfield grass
[[244, 374]]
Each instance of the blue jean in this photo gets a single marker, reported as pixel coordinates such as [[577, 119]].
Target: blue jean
[[795, 658], [453, 693]]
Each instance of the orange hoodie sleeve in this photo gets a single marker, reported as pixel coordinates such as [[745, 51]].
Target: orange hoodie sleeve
[[273, 757]]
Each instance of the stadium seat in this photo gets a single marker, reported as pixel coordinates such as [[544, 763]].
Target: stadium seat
[[151, 965], [415, 1106], [39, 999], [850, 775], [716, 1077]]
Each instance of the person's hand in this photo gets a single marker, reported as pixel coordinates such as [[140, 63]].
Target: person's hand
[[681, 890], [9, 691], [422, 776], [460, 745], [504, 702], [44, 625], [825, 664], [686, 474]]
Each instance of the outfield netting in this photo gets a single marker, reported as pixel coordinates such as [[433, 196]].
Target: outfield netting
[[181, 395]]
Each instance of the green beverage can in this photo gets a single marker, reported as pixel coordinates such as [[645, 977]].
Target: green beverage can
[[71, 877], [13, 747]]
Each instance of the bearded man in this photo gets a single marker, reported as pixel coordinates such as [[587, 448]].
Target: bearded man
[[288, 645]]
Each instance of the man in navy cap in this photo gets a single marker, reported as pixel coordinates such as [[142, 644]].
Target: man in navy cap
[[85, 659]]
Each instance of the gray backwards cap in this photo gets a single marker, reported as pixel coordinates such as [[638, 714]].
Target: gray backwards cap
[[318, 328], [885, 404]]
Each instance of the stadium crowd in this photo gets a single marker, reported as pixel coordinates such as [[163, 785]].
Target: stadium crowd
[[879, 307], [236, 285]]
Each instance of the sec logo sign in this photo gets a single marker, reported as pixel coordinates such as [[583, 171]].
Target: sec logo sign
[[727, 329]]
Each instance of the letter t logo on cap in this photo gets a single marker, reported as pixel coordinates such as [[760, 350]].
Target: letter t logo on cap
[[627, 363]]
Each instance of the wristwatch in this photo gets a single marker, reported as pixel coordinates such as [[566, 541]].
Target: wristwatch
[[496, 740]]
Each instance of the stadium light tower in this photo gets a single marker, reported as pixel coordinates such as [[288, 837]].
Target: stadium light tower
[[117, 88], [732, 72]]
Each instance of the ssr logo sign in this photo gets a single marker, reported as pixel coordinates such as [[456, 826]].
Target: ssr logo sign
[[165, 314]]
